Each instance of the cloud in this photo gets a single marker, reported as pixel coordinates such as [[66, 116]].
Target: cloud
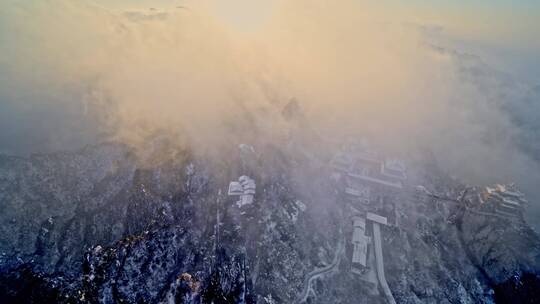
[[143, 16], [75, 73]]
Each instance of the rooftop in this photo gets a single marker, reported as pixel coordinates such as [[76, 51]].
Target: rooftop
[[394, 168], [507, 193], [396, 185]]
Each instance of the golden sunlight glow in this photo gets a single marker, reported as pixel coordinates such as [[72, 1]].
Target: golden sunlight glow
[[246, 16]]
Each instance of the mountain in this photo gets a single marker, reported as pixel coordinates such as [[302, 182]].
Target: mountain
[[112, 224]]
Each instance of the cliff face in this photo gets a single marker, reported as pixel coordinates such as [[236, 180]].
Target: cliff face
[[100, 225]]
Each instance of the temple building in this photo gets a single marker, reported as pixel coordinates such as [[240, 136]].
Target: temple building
[[244, 188], [358, 192], [393, 170], [367, 256], [360, 244], [366, 177], [505, 200]]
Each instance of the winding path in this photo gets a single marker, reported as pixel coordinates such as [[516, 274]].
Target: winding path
[[317, 273]]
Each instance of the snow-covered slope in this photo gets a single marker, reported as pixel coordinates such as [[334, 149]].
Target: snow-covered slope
[[102, 225]]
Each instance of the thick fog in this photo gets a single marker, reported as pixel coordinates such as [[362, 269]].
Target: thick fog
[[74, 73]]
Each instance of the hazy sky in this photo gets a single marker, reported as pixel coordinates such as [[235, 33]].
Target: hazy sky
[[490, 17], [498, 28], [485, 16]]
